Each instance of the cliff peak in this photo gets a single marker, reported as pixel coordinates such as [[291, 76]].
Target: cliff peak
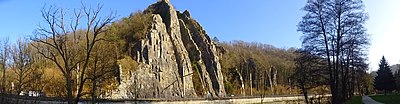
[[177, 59]]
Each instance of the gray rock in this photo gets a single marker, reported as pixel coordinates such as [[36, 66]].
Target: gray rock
[[166, 55], [209, 59]]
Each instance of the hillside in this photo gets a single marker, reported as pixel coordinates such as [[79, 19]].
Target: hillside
[[176, 58], [155, 53], [172, 50], [212, 68]]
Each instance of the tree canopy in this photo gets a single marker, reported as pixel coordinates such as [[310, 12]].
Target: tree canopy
[[334, 30], [385, 80]]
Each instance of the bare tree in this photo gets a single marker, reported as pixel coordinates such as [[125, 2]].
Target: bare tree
[[309, 72], [242, 91], [4, 55], [60, 42], [331, 29], [101, 68], [22, 61]]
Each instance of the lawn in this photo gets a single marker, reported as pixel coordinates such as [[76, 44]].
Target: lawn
[[388, 99], [354, 100]]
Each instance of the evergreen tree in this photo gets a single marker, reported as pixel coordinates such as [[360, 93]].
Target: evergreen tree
[[385, 80]]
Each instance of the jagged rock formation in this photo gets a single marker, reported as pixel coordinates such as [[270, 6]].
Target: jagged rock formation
[[203, 51], [174, 49]]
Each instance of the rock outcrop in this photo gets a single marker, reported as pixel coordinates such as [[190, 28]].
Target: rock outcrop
[[174, 49], [204, 52]]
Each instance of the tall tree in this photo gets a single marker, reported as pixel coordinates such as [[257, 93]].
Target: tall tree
[[102, 68], [63, 42], [22, 61], [309, 72], [270, 67], [385, 80], [334, 29], [4, 55]]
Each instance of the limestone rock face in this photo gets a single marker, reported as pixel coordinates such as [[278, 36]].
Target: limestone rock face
[[174, 47], [204, 53]]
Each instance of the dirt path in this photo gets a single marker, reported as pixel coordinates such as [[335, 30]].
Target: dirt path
[[369, 100]]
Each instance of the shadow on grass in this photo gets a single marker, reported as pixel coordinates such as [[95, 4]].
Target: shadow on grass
[[388, 99], [354, 100]]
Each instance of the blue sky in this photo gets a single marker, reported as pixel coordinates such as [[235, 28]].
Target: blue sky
[[266, 21], [384, 27]]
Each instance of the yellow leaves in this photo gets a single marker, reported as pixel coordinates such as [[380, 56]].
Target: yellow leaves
[[53, 82], [128, 65], [132, 28]]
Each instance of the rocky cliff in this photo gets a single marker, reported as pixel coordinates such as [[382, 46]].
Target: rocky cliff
[[174, 50]]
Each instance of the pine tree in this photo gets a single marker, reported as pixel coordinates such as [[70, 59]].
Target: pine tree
[[385, 80]]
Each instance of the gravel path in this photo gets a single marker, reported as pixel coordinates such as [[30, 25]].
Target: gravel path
[[369, 100]]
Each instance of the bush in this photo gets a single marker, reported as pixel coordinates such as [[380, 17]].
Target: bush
[[131, 29], [128, 65]]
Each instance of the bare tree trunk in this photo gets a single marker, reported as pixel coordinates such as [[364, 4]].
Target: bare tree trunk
[[241, 82], [251, 86], [3, 83], [69, 89], [271, 85], [263, 87], [93, 94], [305, 93], [275, 82], [3, 60], [385, 92], [273, 79], [19, 86]]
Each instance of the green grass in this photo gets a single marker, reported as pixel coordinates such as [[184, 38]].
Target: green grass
[[388, 99], [354, 100]]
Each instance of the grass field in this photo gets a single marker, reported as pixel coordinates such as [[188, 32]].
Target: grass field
[[354, 100], [388, 99]]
